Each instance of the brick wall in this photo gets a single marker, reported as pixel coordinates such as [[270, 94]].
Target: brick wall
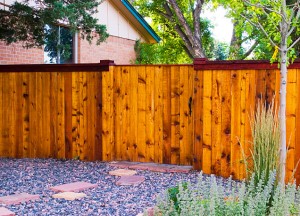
[[16, 54], [120, 50]]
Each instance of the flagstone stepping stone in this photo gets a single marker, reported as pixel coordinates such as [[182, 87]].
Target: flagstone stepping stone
[[181, 169], [122, 172], [73, 187], [143, 166], [69, 195], [6, 212], [130, 180], [18, 198], [123, 164]]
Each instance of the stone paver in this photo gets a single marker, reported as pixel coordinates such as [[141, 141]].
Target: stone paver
[[18, 198], [130, 180], [123, 164], [69, 195], [122, 172], [6, 212], [181, 169], [73, 187], [142, 166], [151, 166]]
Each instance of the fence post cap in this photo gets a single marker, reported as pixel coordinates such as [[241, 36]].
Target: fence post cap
[[107, 62]]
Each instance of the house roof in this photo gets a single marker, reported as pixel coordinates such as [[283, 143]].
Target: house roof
[[137, 20]]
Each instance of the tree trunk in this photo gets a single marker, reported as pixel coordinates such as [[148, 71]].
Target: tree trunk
[[282, 112]]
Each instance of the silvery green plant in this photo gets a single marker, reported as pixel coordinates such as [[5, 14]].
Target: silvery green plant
[[210, 197]]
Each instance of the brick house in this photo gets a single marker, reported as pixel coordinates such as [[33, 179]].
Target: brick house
[[124, 25]]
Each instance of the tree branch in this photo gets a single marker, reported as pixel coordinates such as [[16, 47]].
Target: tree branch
[[196, 17], [266, 8], [250, 50], [182, 21], [262, 28], [295, 42]]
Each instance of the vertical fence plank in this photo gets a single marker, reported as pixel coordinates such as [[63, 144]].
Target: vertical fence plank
[[107, 114], [118, 109], [133, 118], [175, 115], [243, 116], [225, 123], [149, 120], [75, 115], [25, 113], [198, 120], [32, 114], [207, 119], [190, 119], [53, 114], [60, 116], [68, 114], [45, 106], [250, 106], [184, 117], [2, 144], [126, 155], [90, 115], [291, 106], [216, 141], [166, 115], [235, 122], [297, 142], [98, 144], [141, 114], [158, 115], [19, 115]]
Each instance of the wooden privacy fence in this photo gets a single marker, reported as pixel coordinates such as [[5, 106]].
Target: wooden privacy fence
[[179, 114]]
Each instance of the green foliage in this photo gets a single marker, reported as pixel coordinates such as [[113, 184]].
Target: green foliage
[[266, 142], [171, 49], [209, 197], [221, 51], [28, 24]]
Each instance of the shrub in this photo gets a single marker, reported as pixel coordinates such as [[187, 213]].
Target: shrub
[[208, 197]]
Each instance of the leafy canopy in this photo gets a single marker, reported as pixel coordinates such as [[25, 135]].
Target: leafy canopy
[[27, 21]]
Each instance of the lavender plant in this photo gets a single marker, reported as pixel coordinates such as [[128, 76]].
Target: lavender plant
[[209, 197]]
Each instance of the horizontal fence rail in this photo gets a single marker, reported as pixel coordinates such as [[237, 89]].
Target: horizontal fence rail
[[178, 114]]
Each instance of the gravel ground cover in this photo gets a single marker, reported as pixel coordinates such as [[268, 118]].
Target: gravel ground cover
[[36, 176]]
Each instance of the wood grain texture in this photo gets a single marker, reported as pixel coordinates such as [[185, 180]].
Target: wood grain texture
[[159, 113]]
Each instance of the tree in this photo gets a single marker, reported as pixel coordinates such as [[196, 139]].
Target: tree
[[181, 16], [30, 24], [277, 20], [171, 49]]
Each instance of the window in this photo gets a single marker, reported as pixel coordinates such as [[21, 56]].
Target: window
[[59, 45]]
